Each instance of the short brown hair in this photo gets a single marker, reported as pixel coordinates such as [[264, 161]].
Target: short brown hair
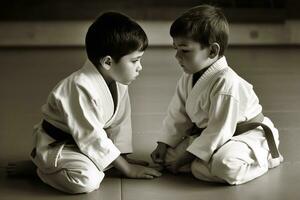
[[204, 24], [114, 34]]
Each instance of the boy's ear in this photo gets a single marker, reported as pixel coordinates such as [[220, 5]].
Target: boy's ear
[[106, 62], [214, 50]]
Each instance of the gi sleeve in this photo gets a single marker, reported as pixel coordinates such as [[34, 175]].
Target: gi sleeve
[[223, 116], [85, 121], [176, 123]]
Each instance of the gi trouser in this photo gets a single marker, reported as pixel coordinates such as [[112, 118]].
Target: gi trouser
[[235, 162], [62, 165], [74, 172]]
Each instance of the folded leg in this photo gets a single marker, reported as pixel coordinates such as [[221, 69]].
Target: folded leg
[[236, 163], [75, 173]]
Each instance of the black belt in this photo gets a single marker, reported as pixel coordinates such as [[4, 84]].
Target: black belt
[[250, 125], [56, 133]]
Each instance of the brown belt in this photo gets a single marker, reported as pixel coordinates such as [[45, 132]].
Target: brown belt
[[250, 125]]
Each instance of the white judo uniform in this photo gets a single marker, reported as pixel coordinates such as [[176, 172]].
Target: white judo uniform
[[83, 106], [217, 102]]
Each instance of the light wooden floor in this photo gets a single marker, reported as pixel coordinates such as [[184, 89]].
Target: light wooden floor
[[28, 74]]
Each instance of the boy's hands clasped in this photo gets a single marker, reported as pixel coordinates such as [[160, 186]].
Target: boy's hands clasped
[[159, 154], [138, 169]]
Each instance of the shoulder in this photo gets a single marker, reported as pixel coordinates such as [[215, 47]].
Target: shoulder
[[63, 84], [226, 82], [227, 77], [75, 83], [231, 84]]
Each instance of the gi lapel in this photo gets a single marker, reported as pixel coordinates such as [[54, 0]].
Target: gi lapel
[[100, 90], [199, 94]]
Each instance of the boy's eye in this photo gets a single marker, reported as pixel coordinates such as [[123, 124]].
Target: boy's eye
[[184, 51], [181, 50]]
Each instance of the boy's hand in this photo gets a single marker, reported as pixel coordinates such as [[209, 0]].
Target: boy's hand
[[159, 154], [138, 171], [183, 159], [133, 170]]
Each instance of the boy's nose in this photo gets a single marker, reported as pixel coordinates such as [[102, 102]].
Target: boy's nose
[[139, 68], [177, 55]]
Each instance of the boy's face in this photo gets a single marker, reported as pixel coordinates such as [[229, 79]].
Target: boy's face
[[190, 55], [128, 68]]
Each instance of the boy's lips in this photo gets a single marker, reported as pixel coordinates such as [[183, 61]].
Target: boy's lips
[[181, 65]]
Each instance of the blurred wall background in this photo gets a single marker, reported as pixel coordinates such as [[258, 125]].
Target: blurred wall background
[[64, 22], [236, 10]]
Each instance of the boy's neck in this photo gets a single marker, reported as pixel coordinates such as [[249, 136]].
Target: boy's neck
[[198, 74], [105, 75], [213, 61]]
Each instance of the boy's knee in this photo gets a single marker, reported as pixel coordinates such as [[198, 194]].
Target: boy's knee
[[199, 170], [74, 181], [83, 181], [230, 169]]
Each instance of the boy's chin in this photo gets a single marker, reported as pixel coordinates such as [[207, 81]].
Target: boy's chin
[[186, 71], [125, 82]]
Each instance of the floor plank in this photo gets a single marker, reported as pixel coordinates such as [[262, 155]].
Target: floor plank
[[280, 183], [28, 74], [34, 189]]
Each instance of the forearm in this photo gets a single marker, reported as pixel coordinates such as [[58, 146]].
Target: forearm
[[121, 164]]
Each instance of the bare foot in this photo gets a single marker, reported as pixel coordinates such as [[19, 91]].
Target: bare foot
[[24, 168]]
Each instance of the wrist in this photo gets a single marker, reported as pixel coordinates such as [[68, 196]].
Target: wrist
[[122, 165]]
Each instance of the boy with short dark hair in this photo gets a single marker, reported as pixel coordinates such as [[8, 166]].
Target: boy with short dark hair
[[214, 126], [86, 125]]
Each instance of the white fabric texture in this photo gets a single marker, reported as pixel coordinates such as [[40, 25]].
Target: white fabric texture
[[217, 102], [82, 105], [75, 173]]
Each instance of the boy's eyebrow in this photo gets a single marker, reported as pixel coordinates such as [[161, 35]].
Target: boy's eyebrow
[[180, 45], [138, 57]]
